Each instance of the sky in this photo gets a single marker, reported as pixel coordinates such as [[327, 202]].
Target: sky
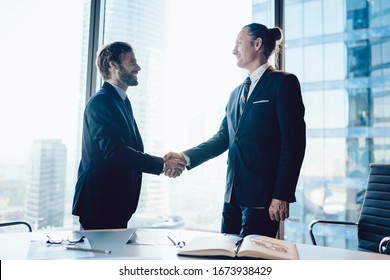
[[40, 53], [40, 59], [202, 67]]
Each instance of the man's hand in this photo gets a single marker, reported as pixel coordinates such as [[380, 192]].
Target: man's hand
[[175, 164], [279, 210]]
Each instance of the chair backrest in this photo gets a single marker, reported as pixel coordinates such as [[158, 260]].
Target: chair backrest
[[374, 220], [16, 223]]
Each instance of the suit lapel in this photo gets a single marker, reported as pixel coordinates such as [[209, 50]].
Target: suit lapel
[[131, 123], [256, 91], [236, 106]]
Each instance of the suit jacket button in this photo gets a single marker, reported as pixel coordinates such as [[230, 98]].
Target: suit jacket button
[[236, 138]]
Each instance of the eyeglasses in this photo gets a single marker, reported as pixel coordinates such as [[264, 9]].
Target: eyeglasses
[[65, 241], [269, 245]]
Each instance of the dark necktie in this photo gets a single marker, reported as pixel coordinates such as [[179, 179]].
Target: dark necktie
[[128, 105], [244, 95], [133, 123]]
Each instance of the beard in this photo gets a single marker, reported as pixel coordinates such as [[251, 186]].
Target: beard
[[126, 77]]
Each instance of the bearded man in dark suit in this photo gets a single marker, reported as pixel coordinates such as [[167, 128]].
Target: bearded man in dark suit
[[113, 157]]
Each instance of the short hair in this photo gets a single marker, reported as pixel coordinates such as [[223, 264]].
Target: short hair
[[116, 52], [271, 37]]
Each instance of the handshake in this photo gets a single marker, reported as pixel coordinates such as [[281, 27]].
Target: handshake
[[175, 163]]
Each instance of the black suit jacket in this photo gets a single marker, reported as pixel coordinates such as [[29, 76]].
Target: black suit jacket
[[266, 147], [113, 159]]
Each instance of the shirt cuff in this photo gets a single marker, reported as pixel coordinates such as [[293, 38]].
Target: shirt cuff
[[188, 160], [164, 168]]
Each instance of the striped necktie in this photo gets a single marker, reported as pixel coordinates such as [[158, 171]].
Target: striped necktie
[[244, 95]]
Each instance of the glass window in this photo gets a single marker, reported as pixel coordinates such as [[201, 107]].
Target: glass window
[[347, 104], [314, 113], [294, 24], [261, 11], [376, 59], [313, 165], [312, 18], [357, 14], [336, 108], [313, 63], [381, 107], [358, 58], [333, 16], [359, 155], [385, 16], [41, 77], [385, 53], [293, 61], [375, 13], [384, 4], [334, 56], [381, 149], [335, 157], [359, 107], [187, 74]]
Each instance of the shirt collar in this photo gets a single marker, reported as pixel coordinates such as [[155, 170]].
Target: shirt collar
[[256, 75], [120, 91]]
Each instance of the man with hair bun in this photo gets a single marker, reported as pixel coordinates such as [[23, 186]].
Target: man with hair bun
[[265, 135]]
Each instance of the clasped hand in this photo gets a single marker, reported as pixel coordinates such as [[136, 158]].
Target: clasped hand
[[175, 163]]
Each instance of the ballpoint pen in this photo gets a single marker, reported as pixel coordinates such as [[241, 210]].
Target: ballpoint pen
[[88, 250], [180, 244], [238, 245], [174, 243]]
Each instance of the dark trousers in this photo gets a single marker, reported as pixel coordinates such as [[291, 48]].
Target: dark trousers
[[243, 221]]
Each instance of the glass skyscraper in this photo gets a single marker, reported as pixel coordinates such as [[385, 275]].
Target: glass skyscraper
[[45, 198], [142, 24], [340, 51]]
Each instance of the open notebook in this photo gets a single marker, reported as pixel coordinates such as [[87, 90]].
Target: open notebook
[[252, 246]]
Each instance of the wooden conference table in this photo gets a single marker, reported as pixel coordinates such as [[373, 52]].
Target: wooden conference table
[[150, 244]]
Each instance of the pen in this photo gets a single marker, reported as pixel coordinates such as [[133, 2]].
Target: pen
[[180, 244], [89, 250], [174, 243], [238, 244]]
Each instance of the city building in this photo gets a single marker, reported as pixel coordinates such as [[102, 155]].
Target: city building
[[142, 24], [45, 194], [339, 49]]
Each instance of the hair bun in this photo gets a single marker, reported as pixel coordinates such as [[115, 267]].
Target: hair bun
[[276, 33]]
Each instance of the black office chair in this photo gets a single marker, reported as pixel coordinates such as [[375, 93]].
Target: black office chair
[[374, 221], [16, 223]]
